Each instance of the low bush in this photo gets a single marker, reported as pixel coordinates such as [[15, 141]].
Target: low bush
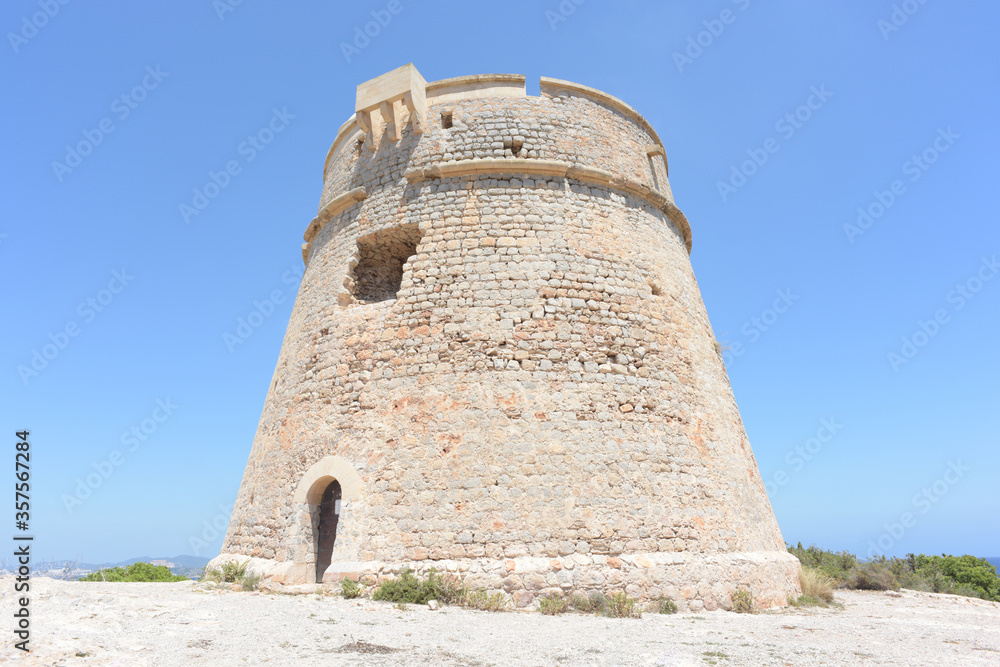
[[551, 605], [620, 605], [665, 605], [229, 573], [250, 581], [350, 589], [957, 575], [591, 604], [742, 601], [405, 588], [871, 576], [484, 601], [135, 572], [446, 589]]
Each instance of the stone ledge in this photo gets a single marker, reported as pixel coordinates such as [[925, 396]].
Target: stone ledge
[[556, 168], [338, 205]]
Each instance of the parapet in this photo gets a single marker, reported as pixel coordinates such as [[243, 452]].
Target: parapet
[[407, 128]]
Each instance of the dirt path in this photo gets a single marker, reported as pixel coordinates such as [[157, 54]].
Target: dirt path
[[131, 625]]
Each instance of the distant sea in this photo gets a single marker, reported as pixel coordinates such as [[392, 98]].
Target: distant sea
[[996, 562]]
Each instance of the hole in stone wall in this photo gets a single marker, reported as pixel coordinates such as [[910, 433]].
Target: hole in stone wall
[[655, 289], [359, 145], [514, 146], [446, 120], [381, 258]]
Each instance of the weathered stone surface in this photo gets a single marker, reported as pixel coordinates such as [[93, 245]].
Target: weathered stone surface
[[510, 365]]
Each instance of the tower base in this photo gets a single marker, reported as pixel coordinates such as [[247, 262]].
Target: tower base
[[695, 582]]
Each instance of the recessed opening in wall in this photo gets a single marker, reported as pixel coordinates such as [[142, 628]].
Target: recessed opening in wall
[[326, 529], [359, 145], [446, 119], [655, 289], [382, 257], [514, 146]]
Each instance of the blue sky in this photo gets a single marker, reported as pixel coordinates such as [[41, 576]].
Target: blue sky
[[898, 119]]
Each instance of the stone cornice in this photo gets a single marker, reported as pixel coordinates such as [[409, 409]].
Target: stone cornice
[[338, 205], [526, 166], [559, 169]]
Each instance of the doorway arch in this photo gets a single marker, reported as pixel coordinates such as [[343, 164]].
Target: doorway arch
[[309, 495], [326, 529]]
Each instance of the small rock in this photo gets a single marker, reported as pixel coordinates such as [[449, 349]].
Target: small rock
[[432, 605]]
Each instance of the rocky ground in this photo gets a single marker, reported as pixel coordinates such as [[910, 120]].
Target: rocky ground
[[75, 623]]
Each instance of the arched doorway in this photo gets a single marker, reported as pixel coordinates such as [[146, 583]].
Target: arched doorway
[[329, 515]]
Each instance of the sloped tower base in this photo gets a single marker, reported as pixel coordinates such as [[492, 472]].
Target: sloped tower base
[[500, 355]]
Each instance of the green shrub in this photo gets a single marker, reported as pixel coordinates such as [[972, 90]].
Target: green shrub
[[231, 572], [551, 605], [591, 604], [411, 589], [665, 605], [250, 581], [742, 600], [484, 601], [405, 588], [350, 589], [871, 576], [620, 605], [957, 575], [448, 589], [960, 575], [133, 573]]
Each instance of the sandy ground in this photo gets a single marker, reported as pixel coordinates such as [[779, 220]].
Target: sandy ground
[[75, 623]]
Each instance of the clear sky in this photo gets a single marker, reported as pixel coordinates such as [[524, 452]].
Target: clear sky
[[780, 120]]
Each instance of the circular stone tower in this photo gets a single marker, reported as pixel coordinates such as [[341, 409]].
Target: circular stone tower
[[499, 364]]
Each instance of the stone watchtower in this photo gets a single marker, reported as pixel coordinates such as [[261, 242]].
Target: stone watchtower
[[499, 363]]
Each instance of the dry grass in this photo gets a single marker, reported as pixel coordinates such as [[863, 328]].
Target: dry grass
[[742, 600], [621, 605], [552, 605], [817, 584]]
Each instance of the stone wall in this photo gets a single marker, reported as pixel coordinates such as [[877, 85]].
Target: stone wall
[[541, 406]]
